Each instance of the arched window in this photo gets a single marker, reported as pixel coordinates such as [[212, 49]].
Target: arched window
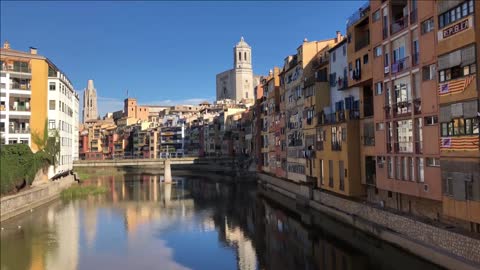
[[240, 56], [245, 56]]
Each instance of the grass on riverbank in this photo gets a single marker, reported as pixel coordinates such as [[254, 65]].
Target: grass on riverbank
[[86, 174], [82, 191]]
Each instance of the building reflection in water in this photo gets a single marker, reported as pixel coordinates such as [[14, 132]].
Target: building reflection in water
[[140, 222]]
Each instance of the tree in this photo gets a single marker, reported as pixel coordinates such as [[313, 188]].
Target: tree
[[48, 144]]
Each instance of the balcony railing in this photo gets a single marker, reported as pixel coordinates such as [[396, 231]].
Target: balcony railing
[[16, 69], [403, 147], [330, 118], [20, 86], [399, 25], [402, 108], [368, 141], [355, 17], [400, 65], [18, 130], [353, 114], [20, 108]]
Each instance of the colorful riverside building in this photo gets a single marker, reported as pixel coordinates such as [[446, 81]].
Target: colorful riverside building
[[406, 108], [458, 96], [338, 133], [292, 79], [34, 92]]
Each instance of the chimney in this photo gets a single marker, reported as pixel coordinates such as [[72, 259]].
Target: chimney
[[339, 36], [33, 50], [305, 40], [6, 45], [270, 73]]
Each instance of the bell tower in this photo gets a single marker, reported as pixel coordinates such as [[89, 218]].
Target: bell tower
[[242, 55]]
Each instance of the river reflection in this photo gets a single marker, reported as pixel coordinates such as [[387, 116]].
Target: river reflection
[[142, 223]]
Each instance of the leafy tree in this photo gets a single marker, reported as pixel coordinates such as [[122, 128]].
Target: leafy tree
[[48, 144]]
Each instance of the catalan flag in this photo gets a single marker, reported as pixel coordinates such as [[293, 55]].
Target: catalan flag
[[464, 143], [455, 86]]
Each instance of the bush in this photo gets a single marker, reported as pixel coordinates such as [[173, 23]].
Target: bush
[[17, 164]]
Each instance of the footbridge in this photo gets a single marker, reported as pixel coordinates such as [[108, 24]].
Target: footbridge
[[159, 163]]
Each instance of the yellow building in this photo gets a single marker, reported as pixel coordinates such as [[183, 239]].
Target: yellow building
[[24, 88]]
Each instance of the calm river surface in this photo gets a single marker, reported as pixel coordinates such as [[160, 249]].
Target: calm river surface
[[194, 224]]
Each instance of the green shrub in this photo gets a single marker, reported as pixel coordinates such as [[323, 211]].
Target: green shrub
[[17, 163], [81, 191]]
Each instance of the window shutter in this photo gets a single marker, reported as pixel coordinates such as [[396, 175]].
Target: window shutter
[[443, 62]]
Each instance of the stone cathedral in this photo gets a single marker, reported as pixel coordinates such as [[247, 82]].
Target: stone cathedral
[[90, 102], [238, 83]]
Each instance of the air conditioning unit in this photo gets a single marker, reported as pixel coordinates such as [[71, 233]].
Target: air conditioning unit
[[387, 69]]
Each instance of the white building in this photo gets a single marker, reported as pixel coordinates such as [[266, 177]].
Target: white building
[[63, 116], [238, 83], [341, 96]]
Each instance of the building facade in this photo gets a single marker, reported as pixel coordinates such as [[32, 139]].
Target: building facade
[[238, 83]]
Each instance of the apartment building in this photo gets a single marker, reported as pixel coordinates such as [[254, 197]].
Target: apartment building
[[406, 172], [316, 93], [359, 75], [63, 102], [23, 88], [457, 75], [338, 132]]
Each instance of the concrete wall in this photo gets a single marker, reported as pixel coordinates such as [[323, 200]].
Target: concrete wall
[[13, 205], [441, 246]]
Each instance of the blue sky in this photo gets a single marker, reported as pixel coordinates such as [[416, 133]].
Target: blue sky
[[164, 52]]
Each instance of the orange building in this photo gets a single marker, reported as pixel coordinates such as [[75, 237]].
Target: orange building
[[132, 110]]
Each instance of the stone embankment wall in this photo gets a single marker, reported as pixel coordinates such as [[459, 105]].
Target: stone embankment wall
[[439, 245], [14, 205]]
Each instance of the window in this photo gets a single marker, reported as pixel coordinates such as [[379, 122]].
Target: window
[[378, 88], [365, 59], [376, 16], [377, 51], [51, 104], [321, 172], [333, 57], [330, 173], [455, 14], [431, 120], [427, 26], [341, 174], [380, 126], [344, 49], [51, 124], [52, 86], [428, 72], [433, 162], [460, 127], [420, 172]]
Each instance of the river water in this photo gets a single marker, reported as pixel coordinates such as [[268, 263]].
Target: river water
[[195, 223]]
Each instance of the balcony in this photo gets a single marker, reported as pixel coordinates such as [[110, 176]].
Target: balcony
[[20, 86], [341, 116], [417, 106], [362, 12], [353, 114], [362, 42], [336, 146], [403, 147], [319, 145], [413, 16], [342, 83], [14, 68], [19, 130], [368, 141], [418, 148], [403, 108], [399, 25], [388, 113], [330, 118], [20, 108], [415, 58], [400, 65]]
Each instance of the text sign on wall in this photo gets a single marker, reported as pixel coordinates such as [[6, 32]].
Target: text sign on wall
[[454, 29]]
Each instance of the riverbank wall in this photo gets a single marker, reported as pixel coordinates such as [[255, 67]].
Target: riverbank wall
[[438, 245], [24, 201]]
